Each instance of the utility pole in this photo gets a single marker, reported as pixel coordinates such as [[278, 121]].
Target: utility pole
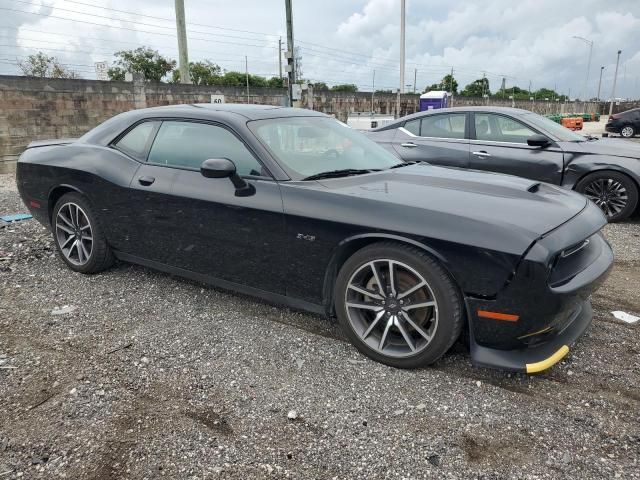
[[451, 85], [586, 78], [615, 78], [402, 20], [373, 89], [415, 79], [599, 85], [291, 69], [183, 56], [246, 69], [280, 58]]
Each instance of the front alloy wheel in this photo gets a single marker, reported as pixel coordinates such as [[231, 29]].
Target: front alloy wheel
[[609, 194], [398, 305], [391, 307]]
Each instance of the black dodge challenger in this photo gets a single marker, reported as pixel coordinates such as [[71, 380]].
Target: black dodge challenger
[[294, 207]]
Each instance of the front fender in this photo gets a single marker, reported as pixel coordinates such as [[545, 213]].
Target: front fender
[[579, 167]]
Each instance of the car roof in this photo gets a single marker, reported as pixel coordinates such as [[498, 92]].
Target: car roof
[[249, 111], [509, 110]]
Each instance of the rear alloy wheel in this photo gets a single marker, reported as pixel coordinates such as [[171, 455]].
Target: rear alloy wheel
[[78, 236], [627, 131], [615, 193], [397, 305]]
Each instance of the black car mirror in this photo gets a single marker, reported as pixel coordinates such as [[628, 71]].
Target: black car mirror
[[225, 168], [218, 168], [538, 141]]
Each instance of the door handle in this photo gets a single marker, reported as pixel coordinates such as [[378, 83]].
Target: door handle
[[481, 154], [146, 181], [408, 145]]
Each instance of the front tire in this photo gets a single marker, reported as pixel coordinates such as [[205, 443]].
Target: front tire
[[397, 305], [628, 131], [615, 193], [78, 236]]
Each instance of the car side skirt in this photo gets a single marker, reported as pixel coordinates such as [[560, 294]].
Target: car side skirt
[[269, 297]]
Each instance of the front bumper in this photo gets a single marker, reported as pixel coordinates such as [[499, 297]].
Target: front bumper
[[545, 307], [612, 128], [538, 358]]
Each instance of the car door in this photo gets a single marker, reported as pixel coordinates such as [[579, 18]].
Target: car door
[[440, 139], [199, 224], [499, 144]]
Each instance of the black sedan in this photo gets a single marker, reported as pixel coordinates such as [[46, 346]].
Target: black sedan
[[627, 124], [519, 142], [296, 208]]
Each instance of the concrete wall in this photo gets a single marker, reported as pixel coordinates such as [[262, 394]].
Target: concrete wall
[[38, 108]]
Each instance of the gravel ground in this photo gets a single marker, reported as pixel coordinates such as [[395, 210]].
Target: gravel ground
[[150, 376]]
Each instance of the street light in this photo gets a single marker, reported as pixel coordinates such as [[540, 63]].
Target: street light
[[615, 79], [600, 82], [586, 79]]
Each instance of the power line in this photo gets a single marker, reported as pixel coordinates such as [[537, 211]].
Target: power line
[[135, 29]]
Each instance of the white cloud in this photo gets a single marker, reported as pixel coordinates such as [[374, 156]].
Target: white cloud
[[529, 40]]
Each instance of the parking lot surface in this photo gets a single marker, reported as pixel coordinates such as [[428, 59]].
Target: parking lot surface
[[136, 374]]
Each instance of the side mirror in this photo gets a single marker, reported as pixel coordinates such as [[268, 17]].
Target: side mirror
[[217, 168], [225, 168], [538, 141]]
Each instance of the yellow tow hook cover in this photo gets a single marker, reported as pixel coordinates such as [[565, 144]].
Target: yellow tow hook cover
[[548, 362]]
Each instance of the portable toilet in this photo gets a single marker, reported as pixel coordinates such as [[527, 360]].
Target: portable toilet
[[434, 99]]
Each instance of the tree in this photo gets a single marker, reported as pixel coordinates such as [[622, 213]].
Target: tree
[[448, 83], [344, 87], [40, 65], [275, 82], [201, 73], [320, 86], [142, 60], [477, 88]]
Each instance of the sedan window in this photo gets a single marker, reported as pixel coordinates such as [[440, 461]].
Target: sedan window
[[443, 126], [498, 128], [188, 144], [135, 142], [413, 126]]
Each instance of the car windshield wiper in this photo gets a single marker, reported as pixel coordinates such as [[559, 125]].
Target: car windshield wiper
[[405, 164], [345, 172]]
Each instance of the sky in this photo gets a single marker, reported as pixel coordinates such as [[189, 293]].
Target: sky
[[345, 41]]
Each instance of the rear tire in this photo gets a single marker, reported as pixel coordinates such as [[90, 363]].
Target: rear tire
[[78, 236], [410, 325], [615, 193]]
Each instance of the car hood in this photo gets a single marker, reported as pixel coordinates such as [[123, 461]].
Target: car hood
[[605, 146], [505, 211]]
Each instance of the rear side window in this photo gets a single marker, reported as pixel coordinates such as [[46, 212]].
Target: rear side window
[[188, 144], [413, 126], [136, 142], [443, 126]]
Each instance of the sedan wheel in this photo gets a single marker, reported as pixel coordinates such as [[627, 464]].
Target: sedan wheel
[[608, 194], [627, 131], [615, 193], [397, 305], [74, 233]]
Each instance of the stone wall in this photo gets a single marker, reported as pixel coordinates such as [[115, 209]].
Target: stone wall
[[39, 108]]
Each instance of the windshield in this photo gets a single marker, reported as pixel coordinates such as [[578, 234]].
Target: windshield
[[307, 146], [555, 129]]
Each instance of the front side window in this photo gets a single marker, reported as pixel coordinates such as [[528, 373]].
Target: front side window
[[498, 128], [306, 146], [443, 126], [188, 144], [136, 141]]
